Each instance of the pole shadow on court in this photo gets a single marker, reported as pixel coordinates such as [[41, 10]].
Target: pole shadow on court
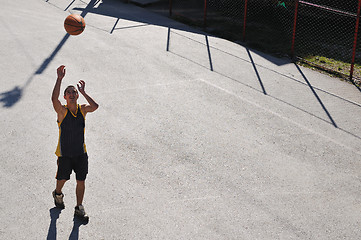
[[317, 97], [256, 71], [206, 43]]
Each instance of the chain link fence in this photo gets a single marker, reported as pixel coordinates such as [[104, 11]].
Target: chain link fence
[[320, 33], [325, 35], [268, 26]]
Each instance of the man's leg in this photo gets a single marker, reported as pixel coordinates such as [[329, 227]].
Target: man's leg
[[59, 186], [80, 190], [79, 209], [81, 171], [63, 173], [58, 195]]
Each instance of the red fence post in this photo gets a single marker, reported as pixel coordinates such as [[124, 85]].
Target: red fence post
[[244, 20], [170, 7], [205, 14], [294, 29], [355, 40]]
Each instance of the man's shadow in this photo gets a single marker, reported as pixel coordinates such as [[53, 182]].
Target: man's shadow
[[54, 215], [74, 235], [52, 232]]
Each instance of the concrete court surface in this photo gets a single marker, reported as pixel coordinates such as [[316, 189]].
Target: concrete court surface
[[208, 140]]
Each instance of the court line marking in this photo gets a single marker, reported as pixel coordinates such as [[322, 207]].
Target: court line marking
[[279, 115]]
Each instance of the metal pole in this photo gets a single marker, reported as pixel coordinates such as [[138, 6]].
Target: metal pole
[[355, 40], [244, 20], [294, 29]]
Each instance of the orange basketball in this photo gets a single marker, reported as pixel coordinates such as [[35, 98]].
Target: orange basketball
[[74, 24]]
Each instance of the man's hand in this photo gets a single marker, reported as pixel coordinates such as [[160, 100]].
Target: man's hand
[[81, 87], [61, 72], [92, 106]]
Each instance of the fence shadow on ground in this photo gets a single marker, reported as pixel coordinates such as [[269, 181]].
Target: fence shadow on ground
[[324, 34]]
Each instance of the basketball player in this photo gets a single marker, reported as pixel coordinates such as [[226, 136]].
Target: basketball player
[[71, 150]]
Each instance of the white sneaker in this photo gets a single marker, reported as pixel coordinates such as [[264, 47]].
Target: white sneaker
[[58, 200], [80, 212]]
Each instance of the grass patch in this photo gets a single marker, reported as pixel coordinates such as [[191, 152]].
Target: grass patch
[[332, 67]]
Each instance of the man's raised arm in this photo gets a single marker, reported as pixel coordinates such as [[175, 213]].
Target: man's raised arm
[[56, 91], [92, 106]]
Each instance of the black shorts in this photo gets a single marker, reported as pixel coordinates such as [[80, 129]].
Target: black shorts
[[66, 164]]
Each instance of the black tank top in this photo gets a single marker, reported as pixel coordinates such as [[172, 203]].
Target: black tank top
[[71, 134]]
